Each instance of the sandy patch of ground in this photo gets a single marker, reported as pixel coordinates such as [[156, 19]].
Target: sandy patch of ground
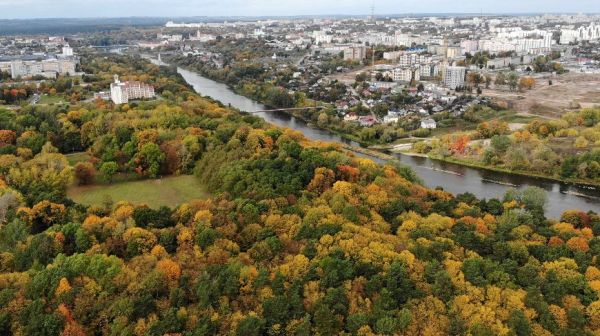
[[569, 91], [515, 126], [350, 76]]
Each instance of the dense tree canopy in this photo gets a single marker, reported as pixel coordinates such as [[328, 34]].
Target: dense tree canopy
[[299, 238]]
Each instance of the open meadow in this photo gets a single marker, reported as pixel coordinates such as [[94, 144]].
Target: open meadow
[[169, 191]]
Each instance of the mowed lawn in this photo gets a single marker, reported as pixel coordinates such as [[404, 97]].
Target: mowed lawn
[[169, 191]]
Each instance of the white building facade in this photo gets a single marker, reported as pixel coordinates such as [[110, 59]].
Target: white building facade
[[122, 92]]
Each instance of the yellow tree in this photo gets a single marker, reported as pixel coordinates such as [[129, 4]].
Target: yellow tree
[[322, 180]]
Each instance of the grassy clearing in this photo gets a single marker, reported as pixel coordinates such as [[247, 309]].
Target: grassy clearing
[[169, 191], [75, 158], [51, 99], [461, 125]]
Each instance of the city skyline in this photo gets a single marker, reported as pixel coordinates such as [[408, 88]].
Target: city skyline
[[23, 9]]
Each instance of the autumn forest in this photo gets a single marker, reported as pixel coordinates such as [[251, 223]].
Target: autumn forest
[[297, 237]]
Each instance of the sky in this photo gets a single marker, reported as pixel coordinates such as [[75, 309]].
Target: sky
[[19, 9]]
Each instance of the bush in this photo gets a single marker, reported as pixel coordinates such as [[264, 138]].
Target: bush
[[85, 172], [421, 132]]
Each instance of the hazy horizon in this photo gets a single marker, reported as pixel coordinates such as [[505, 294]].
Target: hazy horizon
[[32, 9]]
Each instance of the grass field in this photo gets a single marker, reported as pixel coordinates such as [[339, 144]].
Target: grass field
[[75, 158], [50, 99], [169, 191]]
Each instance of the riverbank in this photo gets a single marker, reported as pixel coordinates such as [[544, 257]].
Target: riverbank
[[412, 154], [371, 152], [580, 183], [237, 90], [432, 173]]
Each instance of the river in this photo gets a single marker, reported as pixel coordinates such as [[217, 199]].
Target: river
[[451, 177]]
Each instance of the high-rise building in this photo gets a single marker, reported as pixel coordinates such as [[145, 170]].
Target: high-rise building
[[67, 51], [453, 76], [583, 33]]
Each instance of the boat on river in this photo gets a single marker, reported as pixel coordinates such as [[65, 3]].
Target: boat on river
[[449, 172], [578, 194], [500, 183]]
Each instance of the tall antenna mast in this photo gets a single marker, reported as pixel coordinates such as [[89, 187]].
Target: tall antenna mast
[[373, 11]]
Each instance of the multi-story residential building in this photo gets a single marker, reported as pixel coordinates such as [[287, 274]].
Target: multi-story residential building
[[583, 33], [49, 68], [404, 39], [527, 41], [453, 76], [393, 55], [495, 46], [122, 92], [402, 74], [67, 51], [60, 66], [20, 69], [321, 36], [427, 70], [408, 59], [355, 53], [453, 52], [469, 46], [406, 74]]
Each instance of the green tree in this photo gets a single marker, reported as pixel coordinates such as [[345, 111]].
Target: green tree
[[108, 170], [513, 80], [149, 159], [251, 326], [519, 323], [500, 143]]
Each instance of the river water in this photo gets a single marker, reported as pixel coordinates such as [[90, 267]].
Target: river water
[[451, 177]]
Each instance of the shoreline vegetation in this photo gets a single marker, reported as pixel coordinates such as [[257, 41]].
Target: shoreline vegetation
[[513, 172]]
